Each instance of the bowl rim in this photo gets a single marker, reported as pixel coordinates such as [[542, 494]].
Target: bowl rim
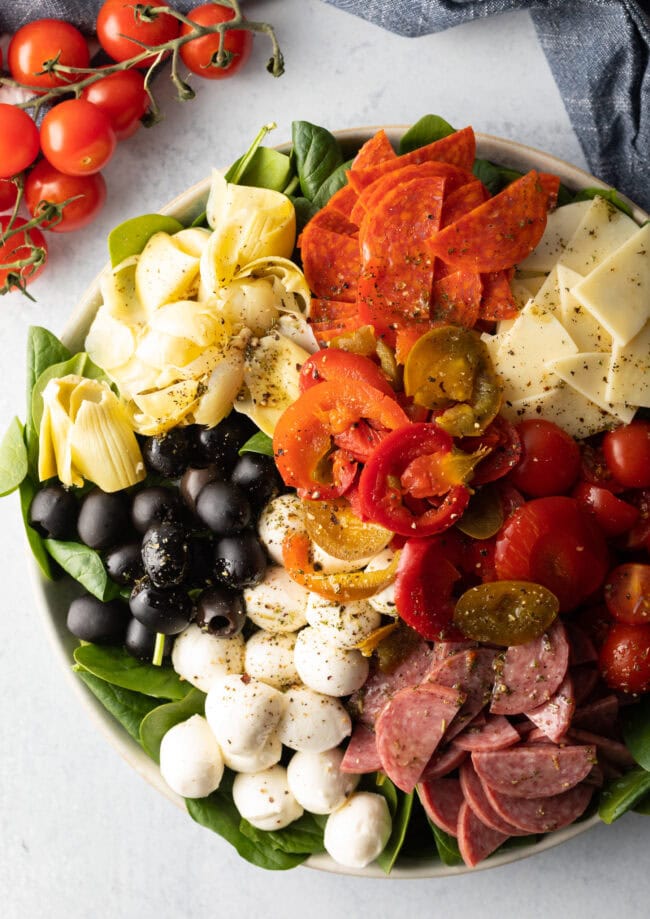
[[47, 594]]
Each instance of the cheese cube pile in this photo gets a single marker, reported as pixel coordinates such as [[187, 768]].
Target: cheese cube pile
[[579, 351]]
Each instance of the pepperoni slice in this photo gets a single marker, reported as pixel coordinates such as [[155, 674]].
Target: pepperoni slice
[[476, 840], [471, 672], [441, 800], [454, 177], [410, 727], [497, 301], [551, 185], [329, 218], [531, 673], [456, 299], [496, 733], [534, 770], [541, 815], [554, 717], [343, 200], [500, 232], [461, 201], [361, 753], [380, 686], [330, 262], [376, 150], [327, 310], [325, 332], [475, 796]]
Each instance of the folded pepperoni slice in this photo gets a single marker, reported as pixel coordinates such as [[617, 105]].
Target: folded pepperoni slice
[[361, 752], [329, 218], [554, 717], [460, 201], [497, 300], [456, 299], [474, 794], [476, 840], [534, 770], [496, 733], [441, 800], [541, 815], [331, 263], [454, 177], [343, 200], [500, 232], [376, 150], [529, 674]]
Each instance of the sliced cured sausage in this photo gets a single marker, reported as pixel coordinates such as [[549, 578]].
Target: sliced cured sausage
[[329, 218], [444, 649], [361, 753], [600, 717], [343, 200], [613, 751], [496, 733], [461, 201], [444, 761], [474, 794], [476, 840], [554, 717], [376, 150], [585, 680], [454, 178], [381, 686], [497, 301], [470, 671], [410, 727], [541, 815], [441, 799], [534, 770], [583, 650], [331, 263], [529, 674], [456, 298]]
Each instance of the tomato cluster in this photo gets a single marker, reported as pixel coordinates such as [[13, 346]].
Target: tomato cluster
[[78, 136]]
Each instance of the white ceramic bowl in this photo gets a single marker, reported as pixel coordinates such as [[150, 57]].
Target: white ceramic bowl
[[53, 597]]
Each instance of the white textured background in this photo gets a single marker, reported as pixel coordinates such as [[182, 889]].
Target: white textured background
[[81, 835]]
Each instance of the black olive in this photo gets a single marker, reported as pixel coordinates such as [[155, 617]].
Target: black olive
[[221, 444], [220, 612], [257, 475], [201, 570], [53, 512], [124, 563], [194, 479], [240, 560], [91, 620], [155, 505], [167, 611], [168, 454], [141, 641], [103, 519], [165, 554], [223, 508]]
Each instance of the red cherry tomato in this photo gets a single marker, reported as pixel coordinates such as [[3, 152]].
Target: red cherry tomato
[[627, 593], [639, 536], [337, 364], [627, 454], [45, 183], [77, 137], [19, 144], [625, 658], [118, 23], [18, 248], [200, 55], [8, 194], [426, 574], [553, 542], [613, 515], [41, 41], [550, 459], [122, 97], [593, 469]]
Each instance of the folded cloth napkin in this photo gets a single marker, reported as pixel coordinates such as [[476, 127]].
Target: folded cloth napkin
[[599, 53]]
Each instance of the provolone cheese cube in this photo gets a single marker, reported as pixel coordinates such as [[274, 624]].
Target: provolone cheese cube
[[587, 373], [602, 230], [560, 227], [585, 330], [628, 380]]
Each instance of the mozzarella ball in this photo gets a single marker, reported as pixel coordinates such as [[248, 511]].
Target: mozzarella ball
[[325, 668], [282, 515], [264, 799], [201, 658], [269, 658], [242, 713], [266, 756], [190, 759], [329, 564], [316, 781], [384, 601], [313, 721], [343, 624], [278, 604], [357, 832]]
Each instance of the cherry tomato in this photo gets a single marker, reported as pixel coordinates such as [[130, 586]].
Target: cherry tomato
[[639, 536], [613, 515], [337, 364], [593, 469], [627, 593], [627, 454], [19, 144], [553, 542], [625, 657], [122, 97], [426, 574], [18, 248], [200, 55], [118, 23], [8, 194], [77, 137], [550, 459], [45, 183], [41, 41]]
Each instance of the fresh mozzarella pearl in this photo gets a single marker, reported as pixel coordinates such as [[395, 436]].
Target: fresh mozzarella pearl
[[269, 658], [344, 624], [278, 604], [329, 564], [325, 668], [282, 515], [190, 759], [266, 756], [264, 799], [384, 601], [242, 713], [357, 832], [201, 658], [316, 781], [313, 721]]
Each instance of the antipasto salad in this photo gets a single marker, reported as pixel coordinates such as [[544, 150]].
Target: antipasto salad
[[353, 474]]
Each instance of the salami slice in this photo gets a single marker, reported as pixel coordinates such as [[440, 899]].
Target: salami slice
[[541, 815], [456, 299], [474, 794], [444, 649], [583, 650], [497, 301], [471, 672], [599, 717], [376, 150], [331, 263], [585, 680], [495, 734], [551, 185], [554, 717], [476, 840], [534, 770], [531, 673], [361, 752], [461, 201], [611, 750], [343, 200], [500, 232], [444, 761], [441, 800], [381, 686], [410, 727]]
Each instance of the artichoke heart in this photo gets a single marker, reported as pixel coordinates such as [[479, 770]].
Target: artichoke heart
[[289, 285], [86, 433], [272, 378], [167, 271]]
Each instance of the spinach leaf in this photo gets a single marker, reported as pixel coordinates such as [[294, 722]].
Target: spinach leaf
[[636, 731], [643, 806], [13, 458], [115, 666], [201, 220], [85, 566], [622, 794], [425, 131], [317, 154], [258, 443], [305, 210], [218, 813], [43, 350], [36, 543], [447, 847], [495, 178], [401, 817], [128, 707], [160, 719], [610, 194], [130, 237], [267, 168], [333, 183], [302, 837], [564, 196]]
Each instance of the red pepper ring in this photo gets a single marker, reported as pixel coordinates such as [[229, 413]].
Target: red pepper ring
[[382, 491]]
